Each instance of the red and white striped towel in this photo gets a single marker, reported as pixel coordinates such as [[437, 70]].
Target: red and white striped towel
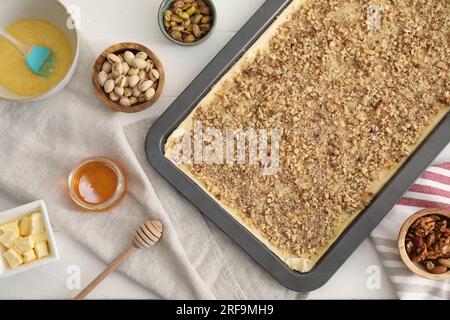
[[431, 190]]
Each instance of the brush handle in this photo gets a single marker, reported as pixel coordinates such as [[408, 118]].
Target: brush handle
[[112, 266], [24, 48]]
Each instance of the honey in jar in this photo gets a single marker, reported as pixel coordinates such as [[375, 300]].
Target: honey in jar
[[97, 184]]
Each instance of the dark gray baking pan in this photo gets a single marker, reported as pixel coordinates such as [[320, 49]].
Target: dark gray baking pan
[[353, 235]]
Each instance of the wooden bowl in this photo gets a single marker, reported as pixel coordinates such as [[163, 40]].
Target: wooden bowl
[[117, 49], [418, 268]]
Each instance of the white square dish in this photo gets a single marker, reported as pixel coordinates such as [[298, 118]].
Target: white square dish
[[18, 213]]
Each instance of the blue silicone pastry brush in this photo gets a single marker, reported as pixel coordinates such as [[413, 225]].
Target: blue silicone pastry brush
[[39, 59]]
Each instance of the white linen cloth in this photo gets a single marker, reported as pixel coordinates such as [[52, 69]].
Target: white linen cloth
[[41, 142]]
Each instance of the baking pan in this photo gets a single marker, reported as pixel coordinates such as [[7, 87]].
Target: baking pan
[[349, 240]]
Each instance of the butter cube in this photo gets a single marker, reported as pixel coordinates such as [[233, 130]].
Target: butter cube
[[39, 237], [8, 238], [24, 244], [37, 223], [11, 226], [29, 256], [13, 258], [41, 249], [25, 226]]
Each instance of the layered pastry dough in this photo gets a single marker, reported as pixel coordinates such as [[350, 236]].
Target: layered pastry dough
[[352, 103]]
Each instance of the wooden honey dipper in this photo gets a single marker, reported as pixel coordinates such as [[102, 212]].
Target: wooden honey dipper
[[146, 236]]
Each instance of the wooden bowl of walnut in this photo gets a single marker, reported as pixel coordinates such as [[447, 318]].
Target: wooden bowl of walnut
[[425, 253], [122, 96]]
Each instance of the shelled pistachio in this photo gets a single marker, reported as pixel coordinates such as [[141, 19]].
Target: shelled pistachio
[[188, 20]]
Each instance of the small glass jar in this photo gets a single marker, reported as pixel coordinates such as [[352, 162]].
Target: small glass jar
[[97, 184]]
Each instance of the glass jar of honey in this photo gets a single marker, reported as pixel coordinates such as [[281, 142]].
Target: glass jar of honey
[[97, 184]]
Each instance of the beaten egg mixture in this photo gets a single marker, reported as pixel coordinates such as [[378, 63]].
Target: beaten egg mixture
[[15, 74]]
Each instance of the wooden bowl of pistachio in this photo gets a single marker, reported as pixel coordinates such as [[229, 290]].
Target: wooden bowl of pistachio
[[128, 77], [187, 22]]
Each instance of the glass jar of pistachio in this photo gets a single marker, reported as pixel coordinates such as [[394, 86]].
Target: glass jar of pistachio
[[188, 20]]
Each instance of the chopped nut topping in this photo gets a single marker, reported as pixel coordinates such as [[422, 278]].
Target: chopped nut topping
[[351, 102]]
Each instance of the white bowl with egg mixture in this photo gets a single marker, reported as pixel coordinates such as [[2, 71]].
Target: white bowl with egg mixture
[[21, 12], [17, 214]]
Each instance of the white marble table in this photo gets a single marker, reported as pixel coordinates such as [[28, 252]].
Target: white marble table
[[105, 22]]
